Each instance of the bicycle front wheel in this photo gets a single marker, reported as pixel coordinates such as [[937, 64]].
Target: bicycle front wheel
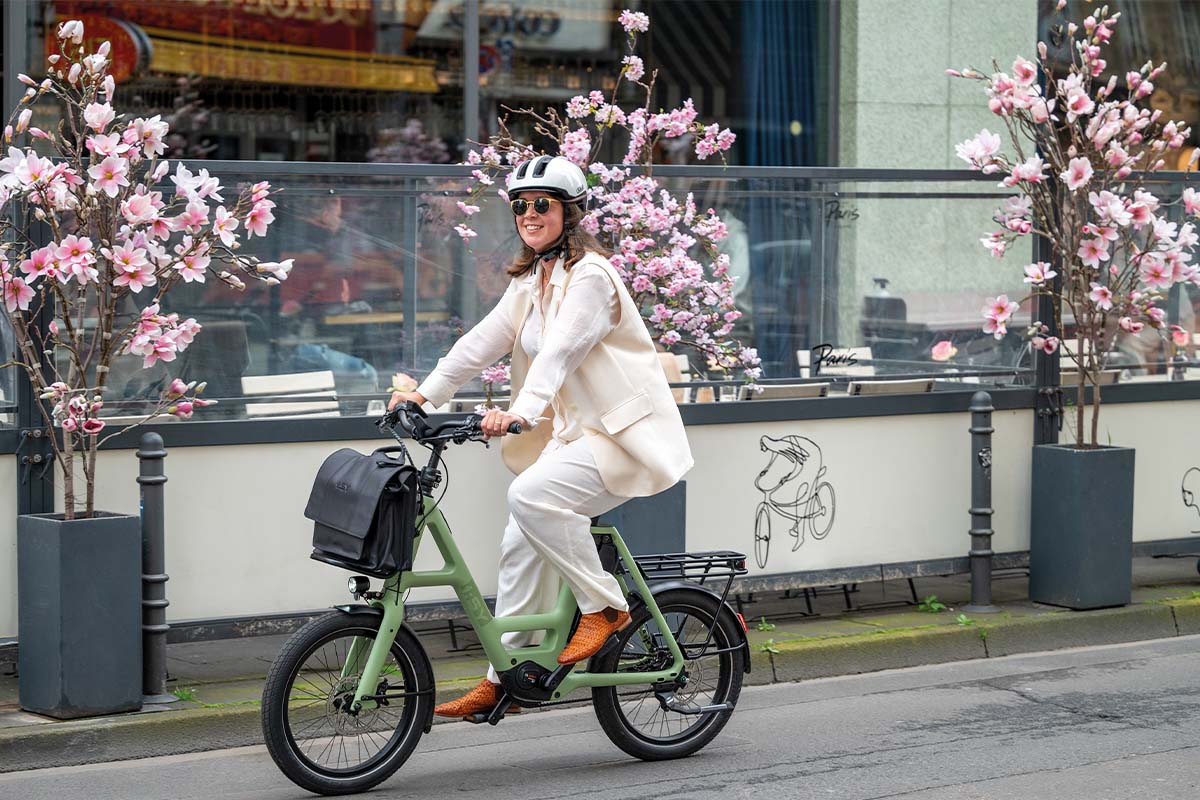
[[762, 535], [312, 730], [632, 716]]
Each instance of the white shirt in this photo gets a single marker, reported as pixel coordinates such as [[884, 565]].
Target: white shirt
[[558, 333]]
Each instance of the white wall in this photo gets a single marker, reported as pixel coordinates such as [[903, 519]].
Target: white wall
[[238, 543], [1167, 439], [8, 548]]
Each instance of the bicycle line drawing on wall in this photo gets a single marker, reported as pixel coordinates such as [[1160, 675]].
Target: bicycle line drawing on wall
[[793, 488], [1190, 488]]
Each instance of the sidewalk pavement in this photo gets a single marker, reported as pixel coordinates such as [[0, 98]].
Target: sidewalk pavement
[[864, 628]]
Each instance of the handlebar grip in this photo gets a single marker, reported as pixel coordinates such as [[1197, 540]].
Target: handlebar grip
[[515, 428]]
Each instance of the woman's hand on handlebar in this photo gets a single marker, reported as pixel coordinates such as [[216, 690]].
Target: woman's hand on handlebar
[[496, 423], [404, 397]]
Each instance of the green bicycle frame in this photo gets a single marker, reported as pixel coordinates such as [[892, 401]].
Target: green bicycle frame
[[556, 623]]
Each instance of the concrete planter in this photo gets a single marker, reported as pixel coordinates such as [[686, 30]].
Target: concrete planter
[[1081, 536], [79, 590], [655, 524]]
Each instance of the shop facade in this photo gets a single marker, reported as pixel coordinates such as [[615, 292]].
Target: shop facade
[[853, 232]]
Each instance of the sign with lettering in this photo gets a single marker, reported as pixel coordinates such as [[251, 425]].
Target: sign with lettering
[[572, 25]]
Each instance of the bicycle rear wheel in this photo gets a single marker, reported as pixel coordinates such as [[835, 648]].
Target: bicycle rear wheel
[[632, 716], [309, 723]]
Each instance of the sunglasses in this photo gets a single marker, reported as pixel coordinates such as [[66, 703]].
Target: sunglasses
[[541, 205]]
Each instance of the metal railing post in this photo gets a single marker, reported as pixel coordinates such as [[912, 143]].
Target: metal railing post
[[151, 479], [981, 505]]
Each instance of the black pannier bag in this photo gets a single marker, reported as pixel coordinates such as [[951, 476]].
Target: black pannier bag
[[365, 508]]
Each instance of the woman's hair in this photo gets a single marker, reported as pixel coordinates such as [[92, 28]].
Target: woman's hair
[[575, 246]]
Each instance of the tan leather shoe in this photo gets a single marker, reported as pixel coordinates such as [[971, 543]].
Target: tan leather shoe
[[480, 699], [592, 633]]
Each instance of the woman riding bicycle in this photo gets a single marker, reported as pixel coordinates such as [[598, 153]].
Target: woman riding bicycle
[[588, 387]]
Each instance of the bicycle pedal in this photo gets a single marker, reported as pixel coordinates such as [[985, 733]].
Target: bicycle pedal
[[477, 718]]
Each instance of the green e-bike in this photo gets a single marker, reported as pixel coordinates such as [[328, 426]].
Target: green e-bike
[[351, 693]]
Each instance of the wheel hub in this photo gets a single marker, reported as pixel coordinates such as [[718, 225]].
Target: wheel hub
[[341, 709]]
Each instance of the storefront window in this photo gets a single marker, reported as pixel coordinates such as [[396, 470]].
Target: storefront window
[[278, 80]]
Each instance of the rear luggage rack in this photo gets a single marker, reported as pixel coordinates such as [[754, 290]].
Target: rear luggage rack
[[698, 567], [718, 566]]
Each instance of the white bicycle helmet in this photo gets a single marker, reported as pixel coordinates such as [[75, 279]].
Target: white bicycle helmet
[[554, 174]]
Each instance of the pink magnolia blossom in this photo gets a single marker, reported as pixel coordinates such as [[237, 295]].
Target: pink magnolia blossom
[[1024, 71], [17, 294], [943, 351], [1047, 344], [467, 209], [1093, 251], [995, 327], [138, 209], [136, 273], [1155, 272], [1102, 296], [1032, 170], [1038, 273], [43, 261], [224, 225], [1179, 336], [1078, 173], [1000, 308], [259, 218], [98, 116], [110, 175], [193, 218], [75, 250], [980, 150], [1130, 325], [92, 426]]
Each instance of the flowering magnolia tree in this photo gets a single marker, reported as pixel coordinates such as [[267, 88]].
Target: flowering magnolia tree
[[1080, 151], [90, 247], [665, 248]]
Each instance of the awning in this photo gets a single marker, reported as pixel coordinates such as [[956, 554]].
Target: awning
[[180, 53]]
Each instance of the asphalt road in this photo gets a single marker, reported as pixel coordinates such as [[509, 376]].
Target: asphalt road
[[1098, 723]]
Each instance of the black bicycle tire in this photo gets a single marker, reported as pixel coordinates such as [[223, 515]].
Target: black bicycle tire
[[832, 508], [606, 700], [277, 689]]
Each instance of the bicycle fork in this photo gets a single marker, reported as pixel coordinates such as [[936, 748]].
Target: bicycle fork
[[366, 693]]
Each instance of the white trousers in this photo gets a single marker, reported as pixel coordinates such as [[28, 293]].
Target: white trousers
[[548, 539]]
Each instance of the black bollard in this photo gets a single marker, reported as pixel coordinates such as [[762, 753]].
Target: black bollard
[[981, 505], [151, 478]]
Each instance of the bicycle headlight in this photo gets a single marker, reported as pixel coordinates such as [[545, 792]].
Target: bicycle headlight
[[358, 586]]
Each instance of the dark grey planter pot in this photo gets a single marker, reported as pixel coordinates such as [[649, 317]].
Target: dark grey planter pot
[[1081, 534], [79, 590], [655, 524]]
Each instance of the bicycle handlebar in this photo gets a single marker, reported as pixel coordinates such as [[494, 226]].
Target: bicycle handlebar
[[411, 418]]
